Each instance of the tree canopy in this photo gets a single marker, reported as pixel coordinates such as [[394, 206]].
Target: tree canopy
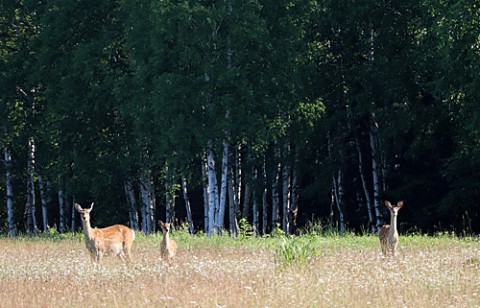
[[295, 111]]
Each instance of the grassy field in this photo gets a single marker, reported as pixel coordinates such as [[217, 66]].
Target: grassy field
[[336, 271]]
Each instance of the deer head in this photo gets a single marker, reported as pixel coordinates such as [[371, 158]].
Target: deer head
[[84, 213], [394, 208], [164, 225]]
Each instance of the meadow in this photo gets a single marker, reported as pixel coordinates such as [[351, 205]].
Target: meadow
[[307, 271]]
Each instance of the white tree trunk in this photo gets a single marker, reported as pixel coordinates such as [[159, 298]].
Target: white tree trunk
[[335, 197], [132, 204], [72, 226], [169, 196], [246, 199], [264, 200], [232, 205], [223, 187], [238, 180], [8, 182], [373, 137], [43, 200], [61, 208], [339, 196], [206, 202], [286, 198], [361, 170], [145, 192], [294, 201], [153, 202], [375, 174], [31, 186], [212, 183], [255, 203], [275, 189], [187, 205]]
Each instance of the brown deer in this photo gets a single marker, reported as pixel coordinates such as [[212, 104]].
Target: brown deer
[[168, 247], [115, 240], [388, 233]]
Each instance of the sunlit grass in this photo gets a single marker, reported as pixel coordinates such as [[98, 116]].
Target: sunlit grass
[[325, 271]]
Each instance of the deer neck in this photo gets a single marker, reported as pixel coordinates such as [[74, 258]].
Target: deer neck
[[87, 230], [166, 238], [393, 224]]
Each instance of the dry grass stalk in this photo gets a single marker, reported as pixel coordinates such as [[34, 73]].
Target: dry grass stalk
[[347, 272]]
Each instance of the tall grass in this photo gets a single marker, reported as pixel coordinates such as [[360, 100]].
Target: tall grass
[[295, 250], [309, 271]]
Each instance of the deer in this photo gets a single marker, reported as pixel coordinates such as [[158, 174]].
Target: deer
[[115, 240], [388, 233], [168, 247]]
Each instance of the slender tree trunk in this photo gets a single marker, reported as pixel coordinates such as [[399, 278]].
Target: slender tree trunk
[[143, 212], [8, 181], [147, 202], [340, 200], [206, 202], [223, 187], [246, 199], [31, 186], [43, 200], [61, 207], [132, 203], [376, 181], [170, 195], [212, 183], [232, 206], [337, 201], [383, 164], [72, 227], [187, 205], [238, 181], [364, 185], [255, 203], [275, 189], [286, 194], [333, 200], [153, 202], [264, 200], [373, 136], [294, 201]]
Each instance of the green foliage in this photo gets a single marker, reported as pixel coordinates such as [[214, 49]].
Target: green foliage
[[295, 250], [245, 229], [316, 227], [113, 82], [278, 232]]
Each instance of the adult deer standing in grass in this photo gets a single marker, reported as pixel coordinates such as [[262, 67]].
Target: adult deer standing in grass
[[388, 233], [168, 247], [115, 240]]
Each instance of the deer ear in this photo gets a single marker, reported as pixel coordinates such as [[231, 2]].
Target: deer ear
[[400, 204], [388, 204], [78, 207], [160, 223]]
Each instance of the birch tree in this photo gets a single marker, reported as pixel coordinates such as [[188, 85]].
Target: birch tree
[[212, 188], [132, 203], [8, 180], [187, 205]]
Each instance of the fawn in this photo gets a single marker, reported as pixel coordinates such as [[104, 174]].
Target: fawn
[[168, 247], [116, 240], [388, 233]]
